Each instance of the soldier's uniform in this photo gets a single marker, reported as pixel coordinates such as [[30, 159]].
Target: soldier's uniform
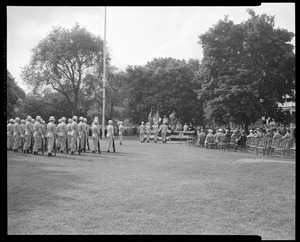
[[164, 130], [28, 135], [63, 134], [155, 132], [37, 135], [142, 132], [10, 134], [74, 134], [86, 132], [148, 132], [121, 131], [95, 135], [110, 135], [58, 140], [51, 134], [69, 131], [44, 133], [81, 130], [17, 134], [22, 130]]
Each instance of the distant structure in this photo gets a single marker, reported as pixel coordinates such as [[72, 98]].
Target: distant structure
[[288, 105]]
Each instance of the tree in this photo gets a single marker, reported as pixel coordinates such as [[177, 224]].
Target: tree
[[62, 60], [166, 85], [14, 97], [246, 69]]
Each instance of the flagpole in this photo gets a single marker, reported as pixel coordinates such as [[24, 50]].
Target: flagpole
[[104, 76]]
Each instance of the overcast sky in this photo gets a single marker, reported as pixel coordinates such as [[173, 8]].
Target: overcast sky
[[135, 35]]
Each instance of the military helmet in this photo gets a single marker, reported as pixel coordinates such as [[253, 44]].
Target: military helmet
[[110, 122], [81, 118], [51, 118], [75, 118], [69, 120], [63, 119], [38, 118], [29, 118], [17, 119]]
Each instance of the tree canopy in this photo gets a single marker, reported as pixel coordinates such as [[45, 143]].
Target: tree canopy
[[166, 85], [14, 97], [63, 60], [246, 69]]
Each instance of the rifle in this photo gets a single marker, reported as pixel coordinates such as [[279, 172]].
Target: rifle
[[46, 144], [88, 144], [79, 150], [42, 146], [67, 143], [22, 143], [54, 147], [84, 143], [31, 144], [114, 148], [99, 146]]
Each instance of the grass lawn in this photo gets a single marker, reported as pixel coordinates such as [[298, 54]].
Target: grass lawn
[[147, 188]]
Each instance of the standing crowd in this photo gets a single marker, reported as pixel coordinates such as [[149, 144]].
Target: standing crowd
[[33, 135]]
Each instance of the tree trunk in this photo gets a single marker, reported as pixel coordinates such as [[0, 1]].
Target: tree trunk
[[75, 104]]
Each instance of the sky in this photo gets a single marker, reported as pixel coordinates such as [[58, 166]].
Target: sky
[[134, 35]]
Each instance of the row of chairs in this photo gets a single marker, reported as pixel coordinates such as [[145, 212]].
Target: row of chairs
[[264, 146]]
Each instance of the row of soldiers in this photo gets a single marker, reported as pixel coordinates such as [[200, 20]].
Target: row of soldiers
[[32, 135], [145, 132]]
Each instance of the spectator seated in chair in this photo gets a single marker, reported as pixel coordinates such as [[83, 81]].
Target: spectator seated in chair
[[241, 142], [201, 138], [210, 140]]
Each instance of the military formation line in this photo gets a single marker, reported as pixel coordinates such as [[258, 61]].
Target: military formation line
[[35, 136]]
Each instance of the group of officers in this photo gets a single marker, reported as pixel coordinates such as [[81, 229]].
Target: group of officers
[[145, 131], [34, 135]]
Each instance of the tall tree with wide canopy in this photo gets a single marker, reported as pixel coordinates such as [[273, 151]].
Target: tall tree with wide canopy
[[246, 69], [62, 60], [166, 85], [14, 97]]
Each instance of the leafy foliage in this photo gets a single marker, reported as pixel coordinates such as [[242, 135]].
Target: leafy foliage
[[246, 69], [62, 60], [166, 85], [14, 97]]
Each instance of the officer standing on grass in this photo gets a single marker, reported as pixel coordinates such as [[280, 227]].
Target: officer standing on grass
[[148, 131], [28, 135], [110, 135], [37, 135], [74, 134], [86, 131], [58, 140], [121, 131], [22, 129], [155, 132], [63, 134], [17, 133], [10, 134], [51, 134], [81, 130], [164, 130], [95, 135], [69, 131], [142, 132]]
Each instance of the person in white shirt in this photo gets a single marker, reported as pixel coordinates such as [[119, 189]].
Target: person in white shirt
[[121, 132], [155, 132], [142, 132], [110, 135]]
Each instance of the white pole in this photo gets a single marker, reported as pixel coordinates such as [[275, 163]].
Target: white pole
[[104, 76]]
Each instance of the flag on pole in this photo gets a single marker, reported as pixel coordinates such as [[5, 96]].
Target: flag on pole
[[149, 117]]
